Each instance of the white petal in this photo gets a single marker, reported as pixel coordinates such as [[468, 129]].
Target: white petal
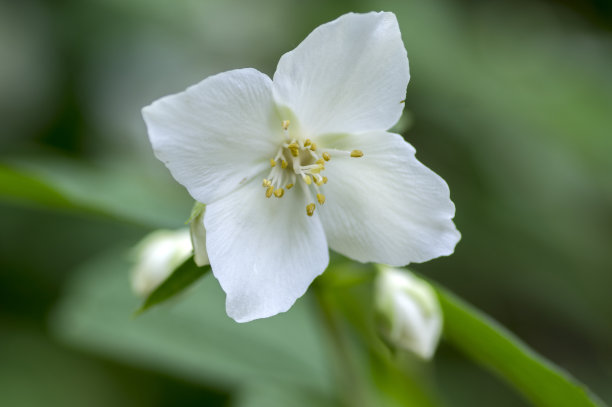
[[348, 75], [415, 330], [217, 134], [386, 206], [265, 252]]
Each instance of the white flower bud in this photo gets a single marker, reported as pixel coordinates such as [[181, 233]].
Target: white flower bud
[[408, 311], [158, 255]]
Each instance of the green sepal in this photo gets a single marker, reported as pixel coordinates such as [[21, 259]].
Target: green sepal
[[198, 208]]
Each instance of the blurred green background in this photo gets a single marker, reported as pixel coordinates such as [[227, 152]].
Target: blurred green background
[[510, 102]]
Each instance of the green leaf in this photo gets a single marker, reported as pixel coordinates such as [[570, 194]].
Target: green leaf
[[194, 339], [185, 275], [20, 187], [493, 346], [118, 190]]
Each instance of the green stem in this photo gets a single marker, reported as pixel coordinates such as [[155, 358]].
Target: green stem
[[353, 393]]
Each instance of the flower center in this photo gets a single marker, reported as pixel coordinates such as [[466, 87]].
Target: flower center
[[302, 161]]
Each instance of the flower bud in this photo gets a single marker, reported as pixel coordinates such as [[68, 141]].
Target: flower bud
[[408, 311], [158, 255]]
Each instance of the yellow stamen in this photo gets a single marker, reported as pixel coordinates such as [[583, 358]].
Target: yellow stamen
[[284, 164], [286, 124], [356, 153], [272, 163], [326, 156], [317, 169], [320, 161], [310, 208], [266, 183], [307, 142], [321, 199], [289, 186], [295, 149], [279, 193], [269, 191], [307, 179], [313, 147], [324, 179], [318, 180]]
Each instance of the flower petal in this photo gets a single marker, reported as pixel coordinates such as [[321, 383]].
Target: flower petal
[[416, 331], [386, 206], [264, 252], [349, 75], [217, 134]]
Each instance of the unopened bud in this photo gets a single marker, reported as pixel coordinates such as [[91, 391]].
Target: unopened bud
[[408, 311], [157, 256]]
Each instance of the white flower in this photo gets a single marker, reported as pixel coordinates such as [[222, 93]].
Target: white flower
[[157, 255], [316, 138], [408, 310]]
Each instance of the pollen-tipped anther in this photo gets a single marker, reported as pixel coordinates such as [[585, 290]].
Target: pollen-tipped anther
[[310, 208], [295, 149]]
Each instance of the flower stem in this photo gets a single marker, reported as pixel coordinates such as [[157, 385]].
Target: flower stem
[[347, 368]]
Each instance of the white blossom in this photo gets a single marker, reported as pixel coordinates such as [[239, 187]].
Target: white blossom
[[290, 166], [409, 313]]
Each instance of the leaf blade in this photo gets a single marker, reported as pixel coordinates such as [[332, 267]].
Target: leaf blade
[[497, 349], [115, 190], [20, 187], [194, 338], [181, 278]]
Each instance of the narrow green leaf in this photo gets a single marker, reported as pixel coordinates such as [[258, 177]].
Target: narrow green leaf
[[185, 275], [21, 187], [117, 190], [493, 346]]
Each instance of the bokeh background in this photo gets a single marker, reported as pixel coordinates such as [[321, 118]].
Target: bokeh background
[[509, 101]]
